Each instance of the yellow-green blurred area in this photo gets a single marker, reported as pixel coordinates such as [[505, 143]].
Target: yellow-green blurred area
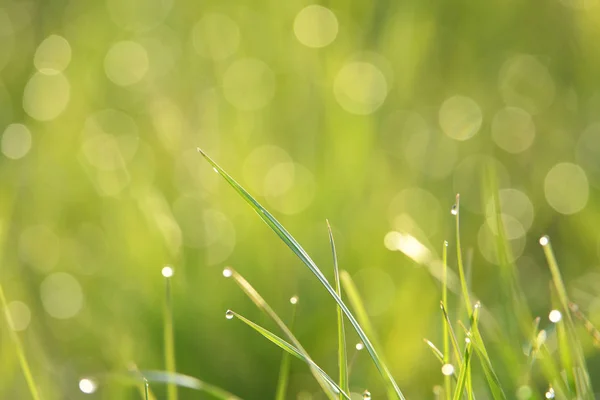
[[371, 114]]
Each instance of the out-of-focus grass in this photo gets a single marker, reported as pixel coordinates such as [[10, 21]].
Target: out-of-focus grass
[[105, 186]]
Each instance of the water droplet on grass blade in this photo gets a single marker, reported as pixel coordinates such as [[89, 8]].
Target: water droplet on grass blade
[[544, 240], [446, 243], [454, 210], [447, 369], [229, 314], [167, 271], [87, 385], [555, 316], [227, 272], [366, 395], [359, 346], [294, 300], [550, 393]]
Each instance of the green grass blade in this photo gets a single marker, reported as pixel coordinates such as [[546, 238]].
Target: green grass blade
[[361, 312], [570, 346], [342, 352], [168, 332], [436, 352], [459, 260], [587, 324], [290, 349], [446, 339], [262, 305], [452, 335], [146, 395], [284, 369], [188, 382], [33, 390], [461, 381], [285, 236]]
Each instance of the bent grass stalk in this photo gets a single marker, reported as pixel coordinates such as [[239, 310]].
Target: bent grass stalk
[[289, 240], [262, 305], [291, 350], [168, 333], [342, 352], [284, 368]]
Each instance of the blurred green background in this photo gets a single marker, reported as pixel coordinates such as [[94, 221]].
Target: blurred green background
[[371, 114]]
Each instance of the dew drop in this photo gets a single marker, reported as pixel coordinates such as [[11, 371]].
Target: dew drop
[[544, 240], [366, 395], [445, 243], [478, 304], [227, 272], [467, 340], [167, 271], [555, 316], [214, 169], [87, 385], [294, 300], [447, 369], [550, 393], [229, 314], [454, 210], [359, 346]]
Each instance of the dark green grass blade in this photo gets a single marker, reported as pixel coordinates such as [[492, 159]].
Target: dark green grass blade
[[452, 335], [291, 350], [33, 390], [459, 260], [284, 369], [262, 305], [342, 352], [285, 236]]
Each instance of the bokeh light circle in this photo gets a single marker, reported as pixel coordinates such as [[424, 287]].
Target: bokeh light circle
[[315, 26], [249, 84], [53, 55], [289, 187], [360, 88], [62, 296], [126, 63], [216, 36], [20, 315], [460, 117], [468, 180], [16, 141], [513, 129], [526, 83], [46, 96], [566, 188]]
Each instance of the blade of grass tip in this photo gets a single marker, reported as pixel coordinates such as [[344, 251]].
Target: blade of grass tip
[[461, 381], [33, 390], [436, 352], [188, 382], [574, 346], [145, 389], [288, 348], [452, 335], [459, 260], [262, 305], [146, 395], [446, 354], [361, 312], [293, 245], [167, 273], [342, 352], [588, 325], [284, 368]]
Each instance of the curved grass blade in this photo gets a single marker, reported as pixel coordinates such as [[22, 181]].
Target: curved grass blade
[[342, 352], [285, 236], [291, 350], [188, 382], [459, 260], [446, 353], [436, 352], [262, 305], [363, 317], [452, 335], [33, 390], [284, 368]]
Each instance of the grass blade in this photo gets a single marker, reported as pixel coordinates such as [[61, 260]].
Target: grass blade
[[33, 390], [459, 260], [284, 369], [446, 354], [290, 349], [363, 317], [342, 352], [461, 381], [589, 327], [262, 305], [188, 382], [452, 335], [167, 272], [285, 236], [436, 352]]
